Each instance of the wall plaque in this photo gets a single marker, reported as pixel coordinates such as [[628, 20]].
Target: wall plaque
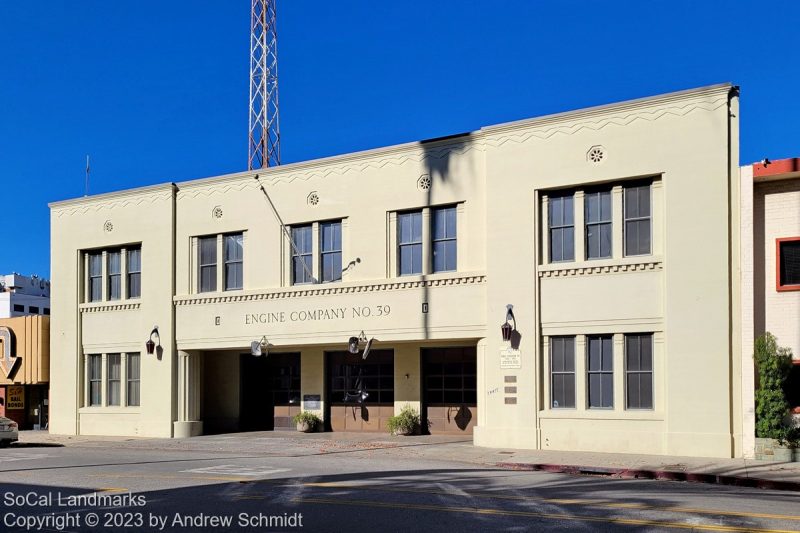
[[510, 358], [312, 401], [16, 398]]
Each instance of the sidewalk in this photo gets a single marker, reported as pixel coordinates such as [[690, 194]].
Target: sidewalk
[[739, 472]]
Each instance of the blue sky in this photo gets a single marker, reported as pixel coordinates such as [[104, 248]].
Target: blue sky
[[156, 91]]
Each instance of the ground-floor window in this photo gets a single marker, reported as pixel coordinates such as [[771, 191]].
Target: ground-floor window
[[562, 372], [639, 371], [95, 379]]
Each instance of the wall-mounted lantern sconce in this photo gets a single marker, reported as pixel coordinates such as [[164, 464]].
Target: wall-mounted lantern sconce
[[258, 348], [507, 329], [150, 345]]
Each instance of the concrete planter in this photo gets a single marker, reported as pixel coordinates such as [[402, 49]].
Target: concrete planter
[[770, 450], [305, 427]]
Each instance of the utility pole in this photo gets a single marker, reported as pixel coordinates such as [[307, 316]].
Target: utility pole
[[264, 138]]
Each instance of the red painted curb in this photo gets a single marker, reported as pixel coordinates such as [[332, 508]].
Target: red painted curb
[[661, 475]]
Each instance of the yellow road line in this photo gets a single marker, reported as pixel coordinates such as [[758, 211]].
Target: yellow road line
[[531, 514], [112, 489], [561, 501]]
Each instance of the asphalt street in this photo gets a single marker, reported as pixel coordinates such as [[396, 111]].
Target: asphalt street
[[255, 483]]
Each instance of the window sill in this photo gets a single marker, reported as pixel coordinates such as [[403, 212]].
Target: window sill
[[601, 414], [109, 410]]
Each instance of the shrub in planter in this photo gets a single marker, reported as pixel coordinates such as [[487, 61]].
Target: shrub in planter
[[406, 423], [307, 421], [773, 364]]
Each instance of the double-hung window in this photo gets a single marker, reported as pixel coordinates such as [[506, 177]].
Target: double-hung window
[[134, 257], [114, 274], [788, 258], [133, 377], [301, 255], [637, 219], [234, 254], [597, 210], [95, 379], [600, 371], [114, 362], [208, 264], [561, 220], [445, 249], [639, 371], [409, 243], [562, 372], [95, 277], [331, 250]]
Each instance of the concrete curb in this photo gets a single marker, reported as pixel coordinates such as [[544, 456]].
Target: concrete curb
[[661, 475]]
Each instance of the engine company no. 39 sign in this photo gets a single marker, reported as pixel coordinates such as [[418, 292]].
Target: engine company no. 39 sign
[[318, 314]]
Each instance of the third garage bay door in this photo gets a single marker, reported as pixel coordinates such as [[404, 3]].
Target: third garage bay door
[[450, 389], [346, 373]]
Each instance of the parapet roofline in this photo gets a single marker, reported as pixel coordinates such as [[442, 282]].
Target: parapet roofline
[[437, 142]]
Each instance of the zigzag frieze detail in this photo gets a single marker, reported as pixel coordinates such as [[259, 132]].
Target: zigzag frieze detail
[[328, 291], [114, 204], [546, 133]]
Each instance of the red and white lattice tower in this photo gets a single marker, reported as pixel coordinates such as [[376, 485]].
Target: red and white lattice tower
[[265, 138]]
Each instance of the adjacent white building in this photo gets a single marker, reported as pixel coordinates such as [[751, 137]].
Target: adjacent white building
[[23, 295]]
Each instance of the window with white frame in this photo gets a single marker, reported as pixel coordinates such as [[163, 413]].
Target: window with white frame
[[95, 262], [234, 254], [331, 251], [95, 379], [302, 250], [227, 248], [561, 222], [597, 213], [444, 237], [637, 213], [207, 280], [409, 243], [133, 377], [114, 269], [114, 374], [134, 258], [600, 371], [113, 274], [639, 371], [562, 372]]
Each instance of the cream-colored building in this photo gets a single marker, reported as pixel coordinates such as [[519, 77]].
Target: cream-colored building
[[612, 231]]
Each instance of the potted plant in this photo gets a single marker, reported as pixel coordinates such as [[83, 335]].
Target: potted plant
[[307, 422], [775, 437], [405, 423]]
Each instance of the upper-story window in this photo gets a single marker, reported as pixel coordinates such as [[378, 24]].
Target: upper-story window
[[445, 247], [301, 255], [561, 221], [230, 247], [134, 272], [234, 256], [597, 210], [637, 215], [331, 250], [409, 243], [95, 276], [788, 258], [113, 274], [114, 269], [208, 264]]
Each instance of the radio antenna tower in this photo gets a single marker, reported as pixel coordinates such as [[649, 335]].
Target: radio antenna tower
[[265, 137]]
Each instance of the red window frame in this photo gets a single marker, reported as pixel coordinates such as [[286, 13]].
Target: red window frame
[[778, 286]]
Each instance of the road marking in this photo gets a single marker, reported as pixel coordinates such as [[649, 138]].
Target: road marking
[[530, 514], [562, 501], [183, 478], [236, 470], [21, 456]]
